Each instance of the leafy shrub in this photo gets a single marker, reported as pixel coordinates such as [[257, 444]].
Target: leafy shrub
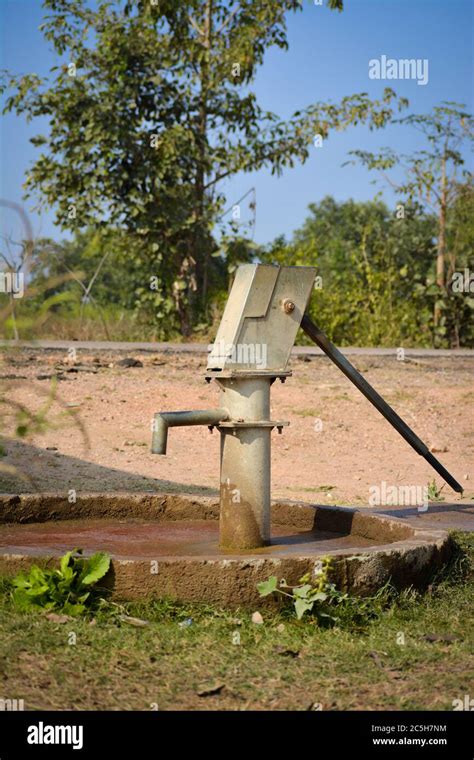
[[315, 596], [67, 589], [325, 602]]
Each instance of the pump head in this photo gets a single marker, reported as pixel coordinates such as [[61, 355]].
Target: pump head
[[261, 318]]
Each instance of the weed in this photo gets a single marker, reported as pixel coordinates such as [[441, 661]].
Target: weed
[[327, 604], [434, 493], [67, 589]]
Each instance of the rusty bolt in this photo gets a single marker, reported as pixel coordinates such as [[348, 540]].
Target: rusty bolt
[[288, 306]]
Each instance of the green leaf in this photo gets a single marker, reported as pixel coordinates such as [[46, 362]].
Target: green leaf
[[65, 560], [95, 568], [268, 587], [320, 596], [21, 582], [302, 606], [37, 590], [73, 609], [302, 591]]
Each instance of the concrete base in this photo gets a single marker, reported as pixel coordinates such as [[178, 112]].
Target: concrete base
[[166, 545]]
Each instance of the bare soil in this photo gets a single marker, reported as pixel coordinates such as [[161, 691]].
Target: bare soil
[[98, 431]]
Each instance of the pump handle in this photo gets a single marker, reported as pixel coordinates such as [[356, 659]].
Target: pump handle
[[321, 340]]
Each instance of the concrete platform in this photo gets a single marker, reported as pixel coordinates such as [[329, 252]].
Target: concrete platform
[[442, 516], [166, 545], [136, 539]]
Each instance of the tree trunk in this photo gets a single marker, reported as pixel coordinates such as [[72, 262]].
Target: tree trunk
[[183, 296], [202, 256], [195, 260], [441, 255]]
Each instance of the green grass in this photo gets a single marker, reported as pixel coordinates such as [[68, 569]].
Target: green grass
[[319, 489], [282, 664], [306, 412], [400, 396]]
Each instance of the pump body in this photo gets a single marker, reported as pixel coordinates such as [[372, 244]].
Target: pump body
[[251, 350]]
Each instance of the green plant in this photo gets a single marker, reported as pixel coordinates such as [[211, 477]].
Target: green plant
[[459, 569], [318, 595], [328, 605], [372, 266], [67, 589], [437, 178], [434, 493]]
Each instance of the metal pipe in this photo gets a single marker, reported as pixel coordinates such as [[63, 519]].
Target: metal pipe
[[321, 340], [245, 464], [165, 420]]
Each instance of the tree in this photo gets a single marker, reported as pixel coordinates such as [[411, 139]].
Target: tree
[[432, 176], [371, 270], [150, 112], [460, 282], [93, 263]]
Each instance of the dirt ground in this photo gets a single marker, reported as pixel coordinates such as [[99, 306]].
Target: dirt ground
[[337, 446]]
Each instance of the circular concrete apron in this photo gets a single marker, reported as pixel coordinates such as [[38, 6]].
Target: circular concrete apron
[[166, 545]]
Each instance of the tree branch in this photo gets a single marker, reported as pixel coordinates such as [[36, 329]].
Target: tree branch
[[195, 26], [228, 19]]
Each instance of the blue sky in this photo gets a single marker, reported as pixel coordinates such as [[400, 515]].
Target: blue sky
[[327, 59]]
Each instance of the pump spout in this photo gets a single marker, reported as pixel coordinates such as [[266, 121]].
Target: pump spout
[[164, 420]]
